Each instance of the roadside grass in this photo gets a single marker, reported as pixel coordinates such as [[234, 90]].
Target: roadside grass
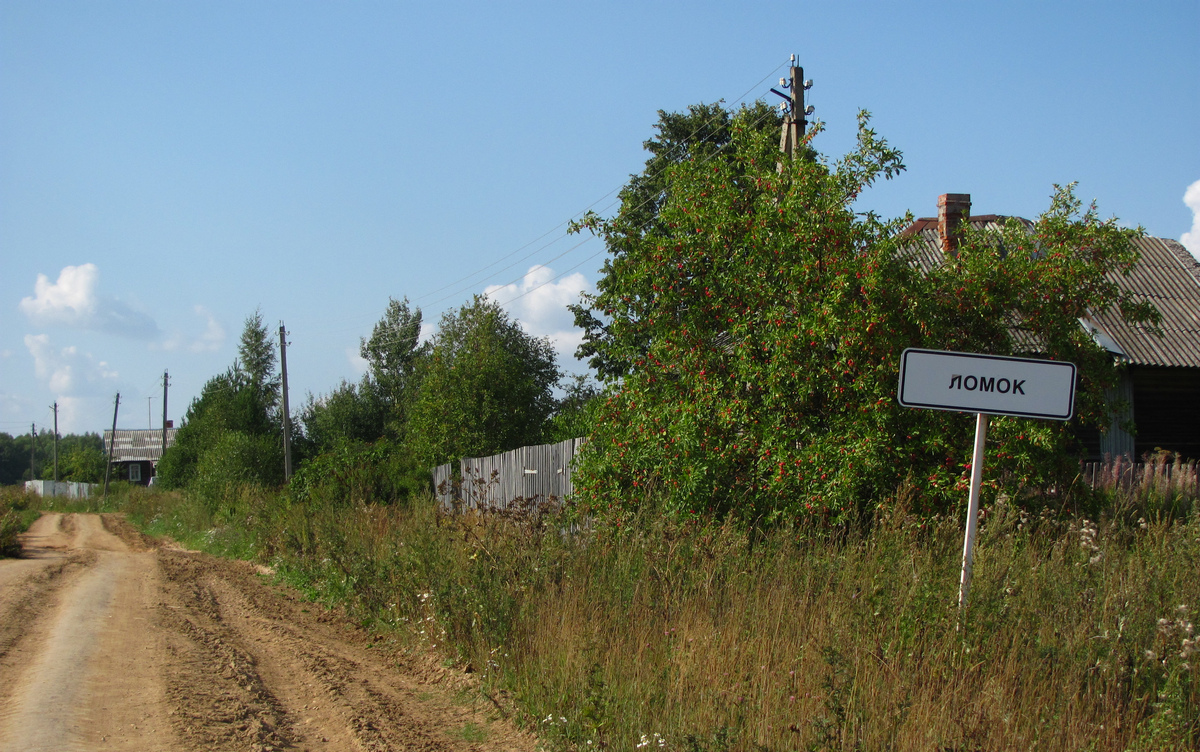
[[232, 529], [471, 732], [703, 637], [18, 510]]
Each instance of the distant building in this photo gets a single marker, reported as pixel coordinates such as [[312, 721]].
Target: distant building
[[1161, 380], [136, 452]]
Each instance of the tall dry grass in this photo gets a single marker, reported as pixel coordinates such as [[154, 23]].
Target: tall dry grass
[[698, 637]]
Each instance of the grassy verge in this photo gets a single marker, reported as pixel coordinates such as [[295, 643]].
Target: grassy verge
[[701, 638], [18, 510]]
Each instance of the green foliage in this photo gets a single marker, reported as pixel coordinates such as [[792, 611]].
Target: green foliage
[[575, 411], [18, 510], [82, 464], [227, 403], [241, 401], [359, 473], [395, 355], [14, 458], [349, 413], [237, 459], [486, 387], [759, 322], [701, 133], [79, 456], [256, 361]]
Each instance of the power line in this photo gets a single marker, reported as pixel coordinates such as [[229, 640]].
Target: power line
[[644, 203], [457, 284], [552, 279], [683, 144], [547, 262]]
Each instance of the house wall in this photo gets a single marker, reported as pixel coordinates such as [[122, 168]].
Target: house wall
[[1116, 441], [1166, 409], [147, 470]]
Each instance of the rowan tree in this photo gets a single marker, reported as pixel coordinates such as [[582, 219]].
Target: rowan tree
[[758, 324], [703, 132]]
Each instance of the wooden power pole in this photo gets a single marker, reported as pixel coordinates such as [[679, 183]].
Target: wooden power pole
[[287, 417], [166, 383], [56, 444], [32, 451], [795, 118], [112, 440]]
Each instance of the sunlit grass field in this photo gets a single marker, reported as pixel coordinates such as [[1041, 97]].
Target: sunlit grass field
[[1078, 636]]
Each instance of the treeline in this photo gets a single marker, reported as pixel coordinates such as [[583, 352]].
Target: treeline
[[747, 331], [480, 385], [80, 458]]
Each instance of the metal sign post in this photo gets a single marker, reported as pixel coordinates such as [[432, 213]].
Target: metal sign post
[[964, 581], [984, 385]]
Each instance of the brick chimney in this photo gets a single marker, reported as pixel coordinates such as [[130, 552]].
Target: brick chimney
[[953, 210]]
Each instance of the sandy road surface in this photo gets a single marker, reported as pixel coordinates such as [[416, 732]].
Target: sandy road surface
[[110, 642]]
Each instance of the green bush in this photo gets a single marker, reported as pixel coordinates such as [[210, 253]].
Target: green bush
[[758, 321], [18, 510], [235, 461], [357, 473]]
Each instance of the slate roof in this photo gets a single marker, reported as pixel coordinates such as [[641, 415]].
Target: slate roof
[[1167, 275], [138, 445], [926, 245]]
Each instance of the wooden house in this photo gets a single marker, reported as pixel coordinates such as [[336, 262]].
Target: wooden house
[[136, 452], [1160, 380]]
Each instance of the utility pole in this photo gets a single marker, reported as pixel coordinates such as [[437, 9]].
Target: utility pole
[[166, 383], [56, 444], [112, 439], [287, 417], [795, 118], [32, 452]]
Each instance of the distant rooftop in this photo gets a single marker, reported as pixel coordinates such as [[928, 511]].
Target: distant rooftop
[[138, 445]]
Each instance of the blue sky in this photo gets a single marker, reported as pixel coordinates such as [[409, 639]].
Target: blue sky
[[168, 168]]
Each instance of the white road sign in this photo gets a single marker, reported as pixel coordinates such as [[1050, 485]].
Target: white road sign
[[991, 384]]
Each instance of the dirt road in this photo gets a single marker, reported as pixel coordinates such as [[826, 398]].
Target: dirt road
[[111, 642]]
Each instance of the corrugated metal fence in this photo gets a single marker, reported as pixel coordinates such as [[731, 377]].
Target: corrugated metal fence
[[539, 473], [61, 488]]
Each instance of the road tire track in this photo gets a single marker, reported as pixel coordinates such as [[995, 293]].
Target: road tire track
[[110, 641]]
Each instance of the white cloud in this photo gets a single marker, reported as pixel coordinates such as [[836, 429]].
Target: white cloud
[[428, 329], [73, 301], [357, 361], [214, 333], [71, 413], [210, 340], [540, 304], [1191, 239], [65, 371]]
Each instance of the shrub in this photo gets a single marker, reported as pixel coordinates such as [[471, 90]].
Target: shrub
[[358, 473], [236, 460]]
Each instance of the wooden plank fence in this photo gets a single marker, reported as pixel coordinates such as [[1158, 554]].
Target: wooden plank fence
[[1171, 476], [540, 473]]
